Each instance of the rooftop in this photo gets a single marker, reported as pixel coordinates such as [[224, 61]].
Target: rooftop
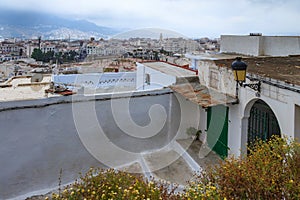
[[286, 69], [21, 88], [170, 69]]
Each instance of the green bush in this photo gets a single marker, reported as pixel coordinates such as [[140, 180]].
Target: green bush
[[112, 184], [270, 171]]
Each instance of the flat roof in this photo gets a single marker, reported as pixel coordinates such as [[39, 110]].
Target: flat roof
[[170, 69], [282, 68], [21, 88], [286, 69]]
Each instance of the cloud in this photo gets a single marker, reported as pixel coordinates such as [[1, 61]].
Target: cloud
[[190, 17]]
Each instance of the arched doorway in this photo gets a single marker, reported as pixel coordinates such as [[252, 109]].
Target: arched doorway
[[262, 123]]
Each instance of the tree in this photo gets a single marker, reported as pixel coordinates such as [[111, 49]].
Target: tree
[[37, 54], [48, 56]]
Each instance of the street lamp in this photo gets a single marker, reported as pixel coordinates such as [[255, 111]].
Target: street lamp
[[239, 70]]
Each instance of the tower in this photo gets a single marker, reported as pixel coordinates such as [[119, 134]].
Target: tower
[[160, 37]]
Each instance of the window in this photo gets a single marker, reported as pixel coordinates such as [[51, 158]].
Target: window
[[214, 79]]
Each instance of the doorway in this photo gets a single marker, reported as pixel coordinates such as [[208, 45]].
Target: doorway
[[262, 123]]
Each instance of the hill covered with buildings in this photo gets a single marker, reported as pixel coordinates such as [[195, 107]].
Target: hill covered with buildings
[[27, 25]]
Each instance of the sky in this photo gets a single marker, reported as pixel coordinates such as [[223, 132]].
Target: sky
[[193, 18]]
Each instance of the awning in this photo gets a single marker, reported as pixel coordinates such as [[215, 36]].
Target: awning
[[202, 95]]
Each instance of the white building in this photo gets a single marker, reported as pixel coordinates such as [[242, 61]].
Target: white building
[[157, 75], [258, 45], [104, 50], [275, 110], [180, 45], [96, 83]]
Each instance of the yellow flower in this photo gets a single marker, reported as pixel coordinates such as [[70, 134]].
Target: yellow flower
[[291, 181]]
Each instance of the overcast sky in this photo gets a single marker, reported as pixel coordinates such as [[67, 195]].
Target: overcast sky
[[194, 18]]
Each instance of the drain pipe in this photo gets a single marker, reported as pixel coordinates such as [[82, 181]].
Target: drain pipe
[[236, 94]]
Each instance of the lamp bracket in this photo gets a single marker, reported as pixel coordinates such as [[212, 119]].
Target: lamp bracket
[[253, 86]]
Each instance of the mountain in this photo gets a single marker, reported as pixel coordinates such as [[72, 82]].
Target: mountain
[[25, 24], [153, 33]]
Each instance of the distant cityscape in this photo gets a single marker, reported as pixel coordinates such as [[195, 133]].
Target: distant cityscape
[[46, 54]]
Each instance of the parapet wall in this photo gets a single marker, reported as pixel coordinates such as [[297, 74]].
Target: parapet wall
[[246, 45], [260, 45]]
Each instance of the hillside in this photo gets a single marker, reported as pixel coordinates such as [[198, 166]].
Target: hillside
[[23, 24]]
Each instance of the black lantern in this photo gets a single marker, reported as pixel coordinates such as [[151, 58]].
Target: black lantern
[[239, 69]]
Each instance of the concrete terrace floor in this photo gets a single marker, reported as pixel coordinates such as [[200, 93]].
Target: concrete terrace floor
[[179, 170], [193, 150]]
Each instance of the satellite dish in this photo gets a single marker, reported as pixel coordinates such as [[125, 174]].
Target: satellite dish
[[36, 78]]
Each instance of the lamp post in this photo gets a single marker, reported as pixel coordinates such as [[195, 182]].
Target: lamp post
[[239, 70]]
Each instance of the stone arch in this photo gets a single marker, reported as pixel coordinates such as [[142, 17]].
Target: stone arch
[[259, 122]]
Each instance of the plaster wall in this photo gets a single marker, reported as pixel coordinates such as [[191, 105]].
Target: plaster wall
[[283, 108], [189, 114], [158, 79], [216, 77], [281, 45], [98, 82], [281, 101], [260, 45], [246, 45], [297, 122]]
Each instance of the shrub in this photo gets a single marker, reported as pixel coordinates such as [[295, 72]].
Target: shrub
[[112, 184], [270, 171]]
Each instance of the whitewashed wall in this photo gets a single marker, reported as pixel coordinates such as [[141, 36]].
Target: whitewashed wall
[[215, 77], [283, 102], [281, 45], [260, 45], [246, 45], [100, 82], [158, 79]]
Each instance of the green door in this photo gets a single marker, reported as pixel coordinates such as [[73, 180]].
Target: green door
[[217, 129]]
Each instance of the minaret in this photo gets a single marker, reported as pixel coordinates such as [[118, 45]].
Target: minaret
[[160, 37]]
